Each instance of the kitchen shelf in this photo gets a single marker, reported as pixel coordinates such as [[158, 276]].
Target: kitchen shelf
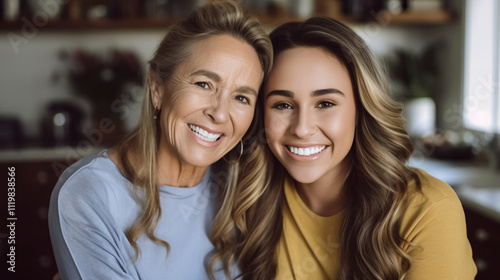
[[437, 17], [65, 25], [404, 18], [415, 18]]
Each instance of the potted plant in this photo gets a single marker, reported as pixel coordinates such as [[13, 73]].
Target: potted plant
[[101, 79], [414, 79]]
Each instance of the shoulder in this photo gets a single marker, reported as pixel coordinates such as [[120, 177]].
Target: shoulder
[[431, 190], [434, 202], [92, 180], [435, 230]]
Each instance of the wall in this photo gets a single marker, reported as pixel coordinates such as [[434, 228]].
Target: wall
[[26, 76]]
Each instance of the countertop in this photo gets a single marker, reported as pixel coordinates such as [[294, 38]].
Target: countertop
[[477, 185], [67, 153]]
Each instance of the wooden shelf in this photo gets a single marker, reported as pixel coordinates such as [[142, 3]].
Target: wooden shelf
[[413, 18], [437, 17], [404, 18], [65, 25], [278, 20]]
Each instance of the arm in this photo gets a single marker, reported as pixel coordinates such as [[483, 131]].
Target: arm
[[442, 249], [86, 243]]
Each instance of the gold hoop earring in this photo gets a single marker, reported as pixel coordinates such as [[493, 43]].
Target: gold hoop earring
[[238, 159], [157, 112]]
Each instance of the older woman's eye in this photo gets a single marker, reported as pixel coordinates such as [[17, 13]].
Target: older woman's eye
[[242, 99], [204, 85]]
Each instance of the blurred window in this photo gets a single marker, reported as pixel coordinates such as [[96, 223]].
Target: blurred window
[[482, 71]]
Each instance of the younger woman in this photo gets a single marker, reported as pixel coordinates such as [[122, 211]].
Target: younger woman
[[338, 200]]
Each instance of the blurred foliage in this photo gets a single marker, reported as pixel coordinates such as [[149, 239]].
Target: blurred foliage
[[415, 74], [101, 77]]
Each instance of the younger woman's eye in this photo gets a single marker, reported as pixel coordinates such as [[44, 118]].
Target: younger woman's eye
[[204, 85], [325, 104], [242, 99], [282, 106]]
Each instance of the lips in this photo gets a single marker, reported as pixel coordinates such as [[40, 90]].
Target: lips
[[306, 151], [204, 134]]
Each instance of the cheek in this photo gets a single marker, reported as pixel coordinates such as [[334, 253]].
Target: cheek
[[177, 100], [341, 129], [242, 118], [185, 102], [180, 105], [174, 110], [275, 123]]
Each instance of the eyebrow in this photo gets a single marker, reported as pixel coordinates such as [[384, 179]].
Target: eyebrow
[[214, 76], [319, 92], [285, 93], [247, 89]]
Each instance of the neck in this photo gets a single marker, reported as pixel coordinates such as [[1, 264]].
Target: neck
[[324, 197], [172, 171]]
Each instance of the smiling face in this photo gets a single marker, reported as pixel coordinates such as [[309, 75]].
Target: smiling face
[[310, 114], [208, 103]]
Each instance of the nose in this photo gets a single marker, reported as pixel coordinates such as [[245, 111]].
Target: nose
[[218, 109], [303, 125]]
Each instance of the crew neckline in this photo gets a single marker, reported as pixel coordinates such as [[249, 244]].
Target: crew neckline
[[165, 188], [293, 199]]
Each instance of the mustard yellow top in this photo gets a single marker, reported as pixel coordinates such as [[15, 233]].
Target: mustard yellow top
[[434, 220]]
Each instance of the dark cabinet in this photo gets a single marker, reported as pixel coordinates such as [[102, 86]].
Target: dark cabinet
[[484, 236], [34, 182]]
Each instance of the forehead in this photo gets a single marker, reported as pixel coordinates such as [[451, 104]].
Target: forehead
[[223, 52], [305, 69]]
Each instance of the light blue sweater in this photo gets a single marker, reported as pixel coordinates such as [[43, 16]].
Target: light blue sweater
[[93, 205]]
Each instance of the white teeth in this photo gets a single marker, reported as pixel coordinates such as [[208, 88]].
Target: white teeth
[[306, 151], [203, 134]]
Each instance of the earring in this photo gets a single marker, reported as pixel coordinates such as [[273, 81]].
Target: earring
[[238, 159], [157, 112]]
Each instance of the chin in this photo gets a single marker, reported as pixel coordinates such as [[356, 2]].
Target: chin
[[304, 181], [304, 177], [200, 161]]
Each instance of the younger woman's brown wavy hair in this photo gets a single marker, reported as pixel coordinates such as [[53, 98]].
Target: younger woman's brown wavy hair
[[138, 151], [377, 180]]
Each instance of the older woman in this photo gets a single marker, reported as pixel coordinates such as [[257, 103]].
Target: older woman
[[143, 209]]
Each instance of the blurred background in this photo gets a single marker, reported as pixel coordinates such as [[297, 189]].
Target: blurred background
[[72, 74]]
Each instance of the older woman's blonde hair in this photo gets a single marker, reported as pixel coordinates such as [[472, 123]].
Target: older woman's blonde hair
[[138, 151]]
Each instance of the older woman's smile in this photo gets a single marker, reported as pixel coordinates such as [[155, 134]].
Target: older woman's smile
[[205, 134]]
